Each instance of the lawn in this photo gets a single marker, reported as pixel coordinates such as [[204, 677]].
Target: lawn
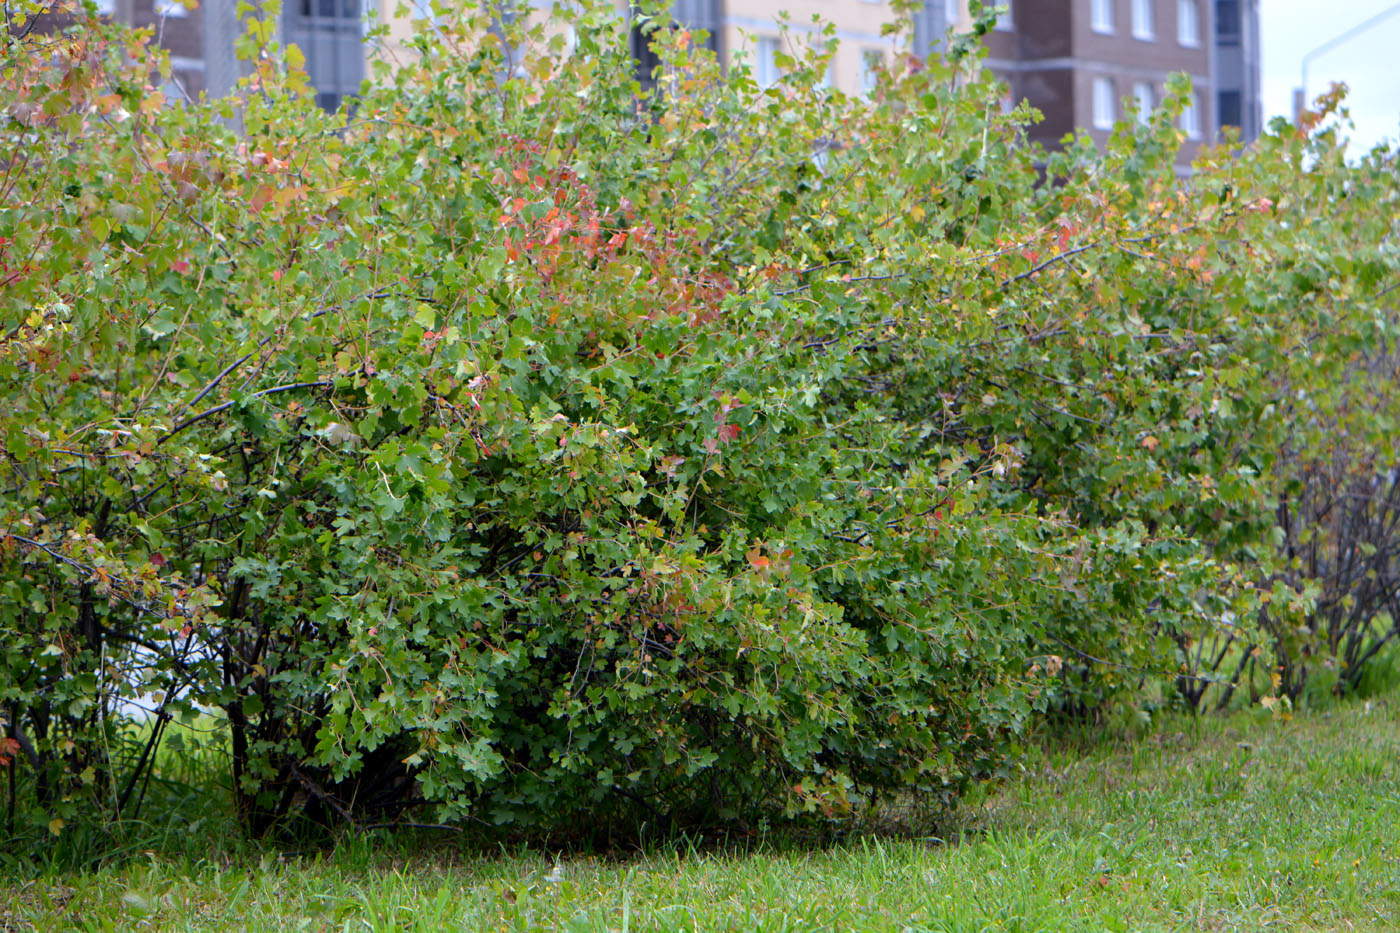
[[1248, 822]]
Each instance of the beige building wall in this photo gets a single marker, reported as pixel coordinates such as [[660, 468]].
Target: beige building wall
[[400, 27], [744, 27], [749, 25], [394, 46]]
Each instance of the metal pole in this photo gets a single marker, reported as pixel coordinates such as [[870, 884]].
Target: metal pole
[[1349, 34]]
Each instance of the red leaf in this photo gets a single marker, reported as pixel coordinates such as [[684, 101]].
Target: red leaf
[[158, 560], [729, 432]]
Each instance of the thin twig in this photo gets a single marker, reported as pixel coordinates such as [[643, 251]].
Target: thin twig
[[209, 412]]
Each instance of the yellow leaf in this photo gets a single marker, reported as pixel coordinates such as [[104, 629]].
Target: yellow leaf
[[1150, 442], [296, 58], [56, 825]]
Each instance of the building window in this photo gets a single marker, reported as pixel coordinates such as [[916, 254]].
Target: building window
[[1006, 22], [1101, 15], [1143, 16], [330, 35], [872, 62], [1191, 118], [1142, 94], [766, 64], [644, 56], [1103, 104], [1188, 24], [1231, 108], [1227, 23], [952, 12], [696, 16]]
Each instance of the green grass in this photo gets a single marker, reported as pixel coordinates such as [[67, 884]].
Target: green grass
[[1241, 823]]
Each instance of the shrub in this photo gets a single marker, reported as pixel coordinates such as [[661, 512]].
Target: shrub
[[561, 455]]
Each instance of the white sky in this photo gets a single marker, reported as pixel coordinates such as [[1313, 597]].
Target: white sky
[[1369, 63]]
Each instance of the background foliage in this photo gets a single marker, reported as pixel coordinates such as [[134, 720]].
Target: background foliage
[[542, 451]]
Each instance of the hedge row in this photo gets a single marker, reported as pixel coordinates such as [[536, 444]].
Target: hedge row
[[554, 453]]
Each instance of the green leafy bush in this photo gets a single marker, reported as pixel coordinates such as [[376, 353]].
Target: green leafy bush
[[559, 455]]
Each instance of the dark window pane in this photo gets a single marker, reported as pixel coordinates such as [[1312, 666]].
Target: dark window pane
[[1227, 22], [350, 9], [328, 102], [644, 55], [696, 15], [1231, 108], [693, 15]]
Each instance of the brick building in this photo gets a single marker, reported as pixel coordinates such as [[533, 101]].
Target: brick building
[[1081, 62], [1078, 61], [180, 29], [1237, 89]]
